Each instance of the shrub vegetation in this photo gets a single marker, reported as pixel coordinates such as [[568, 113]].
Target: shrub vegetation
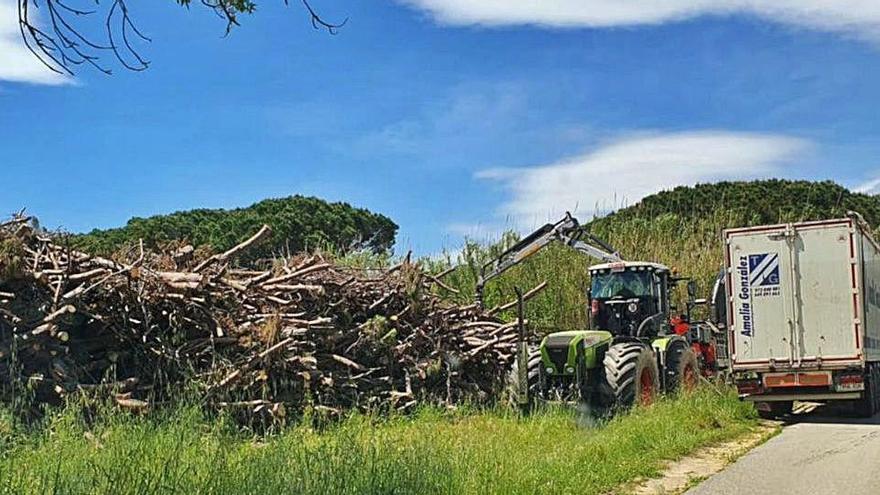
[[680, 228]]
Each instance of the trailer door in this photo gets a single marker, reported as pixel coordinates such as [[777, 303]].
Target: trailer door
[[792, 294], [826, 283], [760, 296]]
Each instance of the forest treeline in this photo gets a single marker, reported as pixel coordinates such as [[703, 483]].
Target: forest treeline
[[298, 223]]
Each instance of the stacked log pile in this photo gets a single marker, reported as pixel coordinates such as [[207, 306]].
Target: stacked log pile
[[147, 326]]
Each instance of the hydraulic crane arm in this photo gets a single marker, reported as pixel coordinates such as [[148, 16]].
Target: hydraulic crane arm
[[566, 231]]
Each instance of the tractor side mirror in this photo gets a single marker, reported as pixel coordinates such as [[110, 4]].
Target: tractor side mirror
[[719, 300]]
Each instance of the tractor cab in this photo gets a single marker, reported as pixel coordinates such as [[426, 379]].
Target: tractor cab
[[630, 299]]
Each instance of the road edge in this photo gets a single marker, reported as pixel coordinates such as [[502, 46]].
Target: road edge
[[684, 473]]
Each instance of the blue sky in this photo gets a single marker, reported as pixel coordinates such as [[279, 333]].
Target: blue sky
[[452, 117]]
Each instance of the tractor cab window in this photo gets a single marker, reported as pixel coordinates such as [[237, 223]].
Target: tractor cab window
[[622, 285]]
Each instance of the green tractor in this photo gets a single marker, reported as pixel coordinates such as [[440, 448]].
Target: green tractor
[[634, 348]]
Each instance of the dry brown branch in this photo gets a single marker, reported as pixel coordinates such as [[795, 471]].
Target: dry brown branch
[[307, 334], [260, 236]]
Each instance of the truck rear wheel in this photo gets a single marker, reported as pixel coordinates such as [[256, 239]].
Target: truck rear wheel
[[631, 374], [682, 368], [867, 406]]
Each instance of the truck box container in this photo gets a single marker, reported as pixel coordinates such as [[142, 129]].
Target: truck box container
[[803, 311]]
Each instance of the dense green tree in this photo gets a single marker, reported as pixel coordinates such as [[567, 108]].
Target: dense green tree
[[752, 203], [297, 223]]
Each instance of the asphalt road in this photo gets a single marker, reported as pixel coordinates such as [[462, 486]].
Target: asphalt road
[[817, 453]]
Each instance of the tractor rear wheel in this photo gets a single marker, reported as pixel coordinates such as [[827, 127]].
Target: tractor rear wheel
[[683, 370], [534, 382], [631, 374]]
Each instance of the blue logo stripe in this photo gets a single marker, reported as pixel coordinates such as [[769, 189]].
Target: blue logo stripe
[[769, 262], [757, 262], [771, 275], [772, 267]]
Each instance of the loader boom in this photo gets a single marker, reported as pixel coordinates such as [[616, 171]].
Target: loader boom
[[567, 231]]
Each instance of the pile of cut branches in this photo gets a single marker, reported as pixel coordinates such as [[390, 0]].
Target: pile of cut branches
[[296, 333]]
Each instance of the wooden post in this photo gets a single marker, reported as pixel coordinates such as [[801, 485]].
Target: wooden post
[[522, 355]]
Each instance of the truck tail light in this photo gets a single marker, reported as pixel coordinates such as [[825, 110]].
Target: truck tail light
[[850, 383], [747, 387]]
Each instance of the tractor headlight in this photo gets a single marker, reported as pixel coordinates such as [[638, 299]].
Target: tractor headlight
[[632, 307], [549, 371], [569, 370]]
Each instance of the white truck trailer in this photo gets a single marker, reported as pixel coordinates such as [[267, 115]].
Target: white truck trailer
[[803, 313]]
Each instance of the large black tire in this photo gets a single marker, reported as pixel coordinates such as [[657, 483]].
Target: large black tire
[[777, 409], [875, 381], [869, 404], [682, 368], [631, 374], [534, 382]]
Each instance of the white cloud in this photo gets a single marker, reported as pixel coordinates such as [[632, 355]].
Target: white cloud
[[626, 170], [869, 187], [858, 17], [16, 62]]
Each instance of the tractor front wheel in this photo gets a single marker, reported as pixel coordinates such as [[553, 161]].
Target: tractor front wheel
[[534, 383], [631, 374], [683, 369]]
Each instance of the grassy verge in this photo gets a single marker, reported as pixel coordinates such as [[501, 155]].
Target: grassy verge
[[556, 451]]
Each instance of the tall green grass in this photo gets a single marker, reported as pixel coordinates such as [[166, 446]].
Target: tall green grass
[[680, 228], [555, 451]]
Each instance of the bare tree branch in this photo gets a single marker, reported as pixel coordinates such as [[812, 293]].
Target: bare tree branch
[[124, 25], [318, 22], [62, 45]]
